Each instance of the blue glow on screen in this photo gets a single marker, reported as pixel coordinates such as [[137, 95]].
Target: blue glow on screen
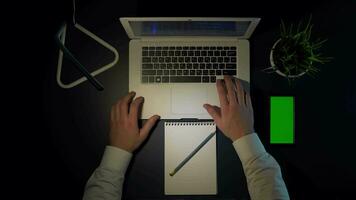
[[189, 28]]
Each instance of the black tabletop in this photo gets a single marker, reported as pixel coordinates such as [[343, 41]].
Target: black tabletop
[[319, 165]]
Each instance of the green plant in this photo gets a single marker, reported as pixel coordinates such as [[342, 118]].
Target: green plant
[[296, 53]]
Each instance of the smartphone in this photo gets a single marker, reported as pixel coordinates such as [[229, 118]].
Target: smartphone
[[282, 120]]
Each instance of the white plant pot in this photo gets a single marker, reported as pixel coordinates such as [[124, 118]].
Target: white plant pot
[[273, 65]]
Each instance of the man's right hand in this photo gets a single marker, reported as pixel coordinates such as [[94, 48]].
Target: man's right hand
[[235, 116]]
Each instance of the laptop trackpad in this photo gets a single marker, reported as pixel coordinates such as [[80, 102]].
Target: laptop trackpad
[[188, 100]]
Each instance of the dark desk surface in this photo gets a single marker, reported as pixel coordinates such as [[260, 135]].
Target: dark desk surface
[[320, 163]]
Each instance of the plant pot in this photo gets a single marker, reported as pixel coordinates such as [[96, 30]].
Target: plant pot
[[275, 68]]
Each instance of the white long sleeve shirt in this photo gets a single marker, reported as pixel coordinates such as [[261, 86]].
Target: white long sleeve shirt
[[263, 174]]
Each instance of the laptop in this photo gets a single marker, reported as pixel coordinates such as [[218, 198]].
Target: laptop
[[174, 62]]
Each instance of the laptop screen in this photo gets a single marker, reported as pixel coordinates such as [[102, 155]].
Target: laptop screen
[[190, 28]]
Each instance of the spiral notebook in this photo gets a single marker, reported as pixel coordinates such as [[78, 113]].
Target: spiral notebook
[[199, 175]]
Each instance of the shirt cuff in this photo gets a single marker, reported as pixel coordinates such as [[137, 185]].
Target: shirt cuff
[[115, 159], [248, 146]]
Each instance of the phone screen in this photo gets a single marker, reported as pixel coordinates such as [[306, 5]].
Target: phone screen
[[282, 120]]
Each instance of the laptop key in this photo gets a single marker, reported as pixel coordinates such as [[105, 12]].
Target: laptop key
[[211, 72], [229, 72], [205, 72], [158, 53], [230, 66], [146, 59], [221, 66], [202, 66], [159, 72], [182, 66], [233, 59], [179, 73], [185, 72], [209, 65], [223, 53], [198, 72], [212, 79], [158, 79], [148, 72], [147, 66], [144, 53], [166, 72], [231, 53], [162, 66], [192, 72], [144, 48], [165, 79], [205, 79], [172, 72], [175, 66], [189, 66], [184, 53], [218, 72], [185, 79], [151, 79]]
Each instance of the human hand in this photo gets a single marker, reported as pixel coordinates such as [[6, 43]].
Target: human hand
[[124, 130], [235, 117]]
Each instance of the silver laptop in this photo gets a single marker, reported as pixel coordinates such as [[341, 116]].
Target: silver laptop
[[175, 62]]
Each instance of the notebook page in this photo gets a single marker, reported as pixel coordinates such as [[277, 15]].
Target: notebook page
[[199, 174]]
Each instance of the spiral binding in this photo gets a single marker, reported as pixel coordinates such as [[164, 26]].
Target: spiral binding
[[189, 123]]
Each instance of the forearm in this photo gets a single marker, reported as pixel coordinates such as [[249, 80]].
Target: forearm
[[107, 180], [263, 174]]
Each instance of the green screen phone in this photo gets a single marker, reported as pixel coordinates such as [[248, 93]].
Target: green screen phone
[[282, 120]]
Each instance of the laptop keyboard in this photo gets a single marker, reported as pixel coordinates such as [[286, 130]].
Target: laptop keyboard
[[187, 64]]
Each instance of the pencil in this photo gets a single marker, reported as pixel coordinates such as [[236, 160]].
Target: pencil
[[206, 140]]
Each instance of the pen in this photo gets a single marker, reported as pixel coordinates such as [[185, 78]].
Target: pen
[[206, 140]]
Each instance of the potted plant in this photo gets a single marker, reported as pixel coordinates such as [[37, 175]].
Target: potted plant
[[295, 53]]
